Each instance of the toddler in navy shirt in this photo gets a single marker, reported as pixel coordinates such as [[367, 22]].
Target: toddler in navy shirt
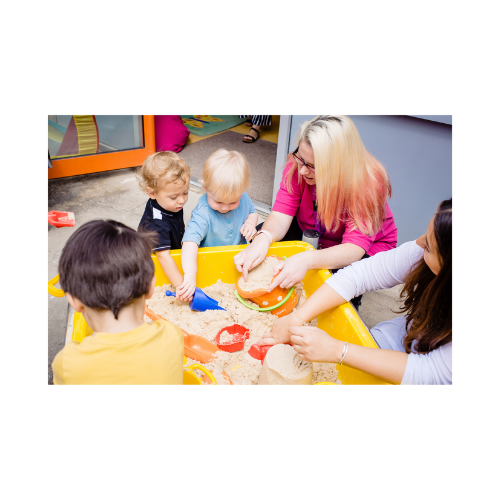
[[164, 177]]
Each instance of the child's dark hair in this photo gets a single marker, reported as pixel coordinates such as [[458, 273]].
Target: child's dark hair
[[106, 265]]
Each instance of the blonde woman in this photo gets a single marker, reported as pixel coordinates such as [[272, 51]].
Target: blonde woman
[[224, 215], [330, 183]]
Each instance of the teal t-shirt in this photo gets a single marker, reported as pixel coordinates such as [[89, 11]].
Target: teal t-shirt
[[209, 228]]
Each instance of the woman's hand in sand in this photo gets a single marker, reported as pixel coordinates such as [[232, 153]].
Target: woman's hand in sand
[[253, 255], [292, 270], [313, 344], [247, 230], [280, 334], [185, 290]]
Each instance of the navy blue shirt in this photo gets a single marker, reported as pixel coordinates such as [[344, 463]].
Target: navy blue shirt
[[169, 226]]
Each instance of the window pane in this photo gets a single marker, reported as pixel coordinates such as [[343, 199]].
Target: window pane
[[77, 135]]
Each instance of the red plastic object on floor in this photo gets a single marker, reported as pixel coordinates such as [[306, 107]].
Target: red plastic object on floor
[[62, 219], [239, 333], [259, 351]]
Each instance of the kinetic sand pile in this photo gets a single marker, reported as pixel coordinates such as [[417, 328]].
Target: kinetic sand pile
[[261, 276], [239, 366], [283, 366]]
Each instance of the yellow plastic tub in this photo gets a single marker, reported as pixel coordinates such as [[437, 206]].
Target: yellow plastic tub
[[216, 263]]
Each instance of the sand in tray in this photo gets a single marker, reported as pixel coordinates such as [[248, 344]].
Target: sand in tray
[[208, 323], [225, 337], [240, 366], [260, 276]]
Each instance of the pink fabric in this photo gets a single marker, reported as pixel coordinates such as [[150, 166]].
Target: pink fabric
[[170, 133], [300, 204]]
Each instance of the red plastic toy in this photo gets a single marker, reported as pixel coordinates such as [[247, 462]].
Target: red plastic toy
[[62, 219], [259, 351], [239, 333]]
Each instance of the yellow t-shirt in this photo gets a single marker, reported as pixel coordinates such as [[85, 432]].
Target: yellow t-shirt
[[150, 354]]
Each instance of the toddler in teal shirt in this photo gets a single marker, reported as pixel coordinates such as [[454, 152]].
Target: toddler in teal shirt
[[224, 215]]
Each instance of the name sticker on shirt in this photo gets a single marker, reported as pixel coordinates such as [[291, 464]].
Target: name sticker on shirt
[[156, 214]]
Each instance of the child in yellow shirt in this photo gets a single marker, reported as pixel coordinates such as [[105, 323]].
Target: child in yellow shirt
[[107, 273]]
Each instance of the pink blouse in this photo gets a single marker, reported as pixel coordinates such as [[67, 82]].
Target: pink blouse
[[301, 205]]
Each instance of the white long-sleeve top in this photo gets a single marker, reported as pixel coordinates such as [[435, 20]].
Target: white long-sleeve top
[[385, 270]]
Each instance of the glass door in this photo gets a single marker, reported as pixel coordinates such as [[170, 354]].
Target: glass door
[[81, 144]]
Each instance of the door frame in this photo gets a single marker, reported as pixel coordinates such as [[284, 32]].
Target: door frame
[[114, 160]]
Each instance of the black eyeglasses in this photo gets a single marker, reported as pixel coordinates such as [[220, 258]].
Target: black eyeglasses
[[301, 162]]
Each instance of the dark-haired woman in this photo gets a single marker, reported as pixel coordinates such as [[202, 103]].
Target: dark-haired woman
[[416, 348]]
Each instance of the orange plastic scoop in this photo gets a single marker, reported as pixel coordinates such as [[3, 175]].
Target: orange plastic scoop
[[195, 346]]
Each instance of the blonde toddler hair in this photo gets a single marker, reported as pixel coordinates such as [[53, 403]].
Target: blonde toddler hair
[[164, 167], [226, 175]]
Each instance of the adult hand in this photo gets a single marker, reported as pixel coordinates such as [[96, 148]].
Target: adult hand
[[247, 230], [293, 270], [279, 333], [313, 344], [252, 256], [185, 290]]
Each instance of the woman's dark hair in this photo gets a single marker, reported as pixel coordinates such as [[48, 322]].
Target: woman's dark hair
[[428, 296], [106, 265]]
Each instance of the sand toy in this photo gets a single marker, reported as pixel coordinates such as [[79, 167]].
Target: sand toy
[[238, 334], [279, 301], [259, 351], [61, 219], [190, 378], [201, 302], [195, 347]]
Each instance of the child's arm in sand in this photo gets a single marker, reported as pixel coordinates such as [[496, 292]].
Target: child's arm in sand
[[169, 267], [189, 255], [248, 227]]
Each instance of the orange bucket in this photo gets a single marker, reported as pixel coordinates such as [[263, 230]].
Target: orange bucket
[[262, 298]]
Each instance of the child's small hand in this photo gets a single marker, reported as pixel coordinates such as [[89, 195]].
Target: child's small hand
[[185, 290], [247, 230]]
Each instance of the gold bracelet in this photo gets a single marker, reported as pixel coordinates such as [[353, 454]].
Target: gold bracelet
[[300, 319]]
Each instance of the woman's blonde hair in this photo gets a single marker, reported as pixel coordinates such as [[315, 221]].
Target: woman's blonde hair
[[161, 168], [226, 175], [350, 182]]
